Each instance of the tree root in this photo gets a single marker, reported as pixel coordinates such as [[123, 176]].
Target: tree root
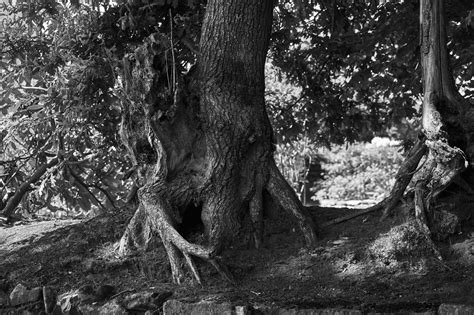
[[403, 178], [154, 216], [285, 196]]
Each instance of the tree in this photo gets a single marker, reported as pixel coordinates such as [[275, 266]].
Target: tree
[[447, 118], [203, 144], [357, 64]]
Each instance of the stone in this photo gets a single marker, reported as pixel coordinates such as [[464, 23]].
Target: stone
[[455, 309], [148, 300], [242, 310], [4, 298], [22, 294], [317, 312], [175, 307], [69, 301], [111, 307]]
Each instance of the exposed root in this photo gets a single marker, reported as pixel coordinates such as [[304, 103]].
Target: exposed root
[[285, 196], [154, 216], [403, 177], [420, 209], [137, 234]]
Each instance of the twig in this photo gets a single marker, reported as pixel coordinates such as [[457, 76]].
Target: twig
[[350, 216], [120, 293]]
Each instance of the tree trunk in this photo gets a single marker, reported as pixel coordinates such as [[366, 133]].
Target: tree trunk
[[447, 118], [204, 144]]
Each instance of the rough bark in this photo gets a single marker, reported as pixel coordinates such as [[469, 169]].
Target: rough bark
[[204, 144], [444, 112]]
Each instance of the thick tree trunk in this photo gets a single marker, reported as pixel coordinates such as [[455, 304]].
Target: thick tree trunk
[[205, 146], [447, 118]]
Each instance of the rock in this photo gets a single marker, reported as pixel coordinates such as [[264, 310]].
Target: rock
[[4, 298], [67, 303], [242, 310], [109, 308], [22, 294], [175, 307], [148, 300], [49, 299], [453, 309], [316, 312]]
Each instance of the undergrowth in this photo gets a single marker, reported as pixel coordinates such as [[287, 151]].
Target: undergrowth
[[350, 172]]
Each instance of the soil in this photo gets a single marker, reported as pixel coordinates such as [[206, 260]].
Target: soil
[[361, 264]]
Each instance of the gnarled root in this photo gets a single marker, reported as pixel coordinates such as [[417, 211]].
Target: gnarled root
[[154, 216], [403, 177], [285, 196]]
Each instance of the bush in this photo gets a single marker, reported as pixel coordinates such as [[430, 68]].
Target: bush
[[358, 171], [352, 172]]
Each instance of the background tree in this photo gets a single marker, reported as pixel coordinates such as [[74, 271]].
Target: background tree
[[447, 120], [357, 65]]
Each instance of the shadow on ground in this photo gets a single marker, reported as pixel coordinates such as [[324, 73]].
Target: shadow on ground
[[346, 269]]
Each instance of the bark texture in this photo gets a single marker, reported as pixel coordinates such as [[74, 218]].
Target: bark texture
[[447, 118], [203, 144]]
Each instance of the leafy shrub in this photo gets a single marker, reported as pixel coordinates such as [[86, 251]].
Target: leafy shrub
[[358, 171], [290, 157]]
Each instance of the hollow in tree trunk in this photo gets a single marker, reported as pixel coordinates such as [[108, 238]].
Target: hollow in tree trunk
[[204, 144]]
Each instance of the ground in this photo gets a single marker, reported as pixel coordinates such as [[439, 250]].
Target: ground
[[354, 264]]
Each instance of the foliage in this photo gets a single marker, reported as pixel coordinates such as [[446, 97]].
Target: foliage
[[358, 171], [290, 159], [62, 80], [357, 62], [352, 172], [57, 100], [340, 71]]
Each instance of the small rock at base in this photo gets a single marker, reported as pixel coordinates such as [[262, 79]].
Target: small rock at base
[[22, 294], [175, 307], [148, 300], [110, 308], [447, 309]]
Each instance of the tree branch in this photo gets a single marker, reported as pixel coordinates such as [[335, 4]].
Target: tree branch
[[14, 201]]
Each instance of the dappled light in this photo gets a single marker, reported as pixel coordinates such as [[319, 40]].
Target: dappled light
[[236, 157]]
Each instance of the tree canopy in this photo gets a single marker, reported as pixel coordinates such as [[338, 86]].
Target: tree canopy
[[340, 71]]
